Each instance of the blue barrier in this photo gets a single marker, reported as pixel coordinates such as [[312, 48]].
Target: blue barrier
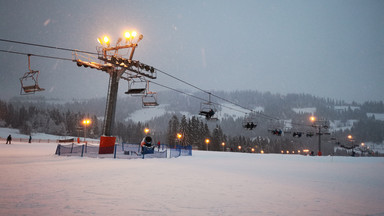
[[126, 151]]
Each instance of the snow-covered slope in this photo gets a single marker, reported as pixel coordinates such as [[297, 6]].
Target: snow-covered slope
[[36, 182]]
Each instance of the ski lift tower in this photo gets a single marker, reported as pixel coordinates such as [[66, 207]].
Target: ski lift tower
[[118, 68], [320, 124]]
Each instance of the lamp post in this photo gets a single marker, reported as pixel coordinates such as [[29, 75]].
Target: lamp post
[[86, 122], [207, 142], [179, 136], [353, 146], [239, 147], [223, 144]]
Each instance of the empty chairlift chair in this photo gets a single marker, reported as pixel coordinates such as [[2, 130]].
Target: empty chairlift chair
[[137, 86], [150, 98], [29, 81]]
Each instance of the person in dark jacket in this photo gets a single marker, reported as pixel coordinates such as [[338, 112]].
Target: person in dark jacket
[[9, 139]]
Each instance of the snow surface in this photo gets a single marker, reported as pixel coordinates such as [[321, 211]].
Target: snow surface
[[337, 125], [345, 108], [378, 116], [227, 110], [4, 132], [147, 114], [310, 110], [34, 181]]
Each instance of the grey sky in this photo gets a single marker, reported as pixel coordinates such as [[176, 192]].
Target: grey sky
[[326, 48]]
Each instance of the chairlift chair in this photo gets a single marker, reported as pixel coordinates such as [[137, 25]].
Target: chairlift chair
[[137, 86], [250, 121], [150, 98], [277, 128], [310, 134], [297, 134], [276, 131], [208, 110], [29, 81]]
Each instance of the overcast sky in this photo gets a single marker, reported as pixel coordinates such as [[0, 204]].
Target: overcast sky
[[326, 48]]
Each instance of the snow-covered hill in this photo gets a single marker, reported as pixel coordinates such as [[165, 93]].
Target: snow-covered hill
[[36, 182]]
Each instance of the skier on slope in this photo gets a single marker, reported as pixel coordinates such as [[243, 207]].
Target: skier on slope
[[9, 139]]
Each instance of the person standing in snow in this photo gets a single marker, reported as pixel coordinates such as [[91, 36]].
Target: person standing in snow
[[158, 146], [9, 139], [30, 139]]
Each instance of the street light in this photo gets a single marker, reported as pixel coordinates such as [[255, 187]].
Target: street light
[[239, 147], [223, 144], [86, 122], [179, 136], [312, 119], [146, 131], [207, 142]]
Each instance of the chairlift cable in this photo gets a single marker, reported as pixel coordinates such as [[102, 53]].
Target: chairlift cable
[[37, 55], [191, 95], [183, 81], [46, 46]]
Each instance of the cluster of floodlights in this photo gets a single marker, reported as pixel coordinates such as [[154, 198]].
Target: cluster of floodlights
[[130, 38]]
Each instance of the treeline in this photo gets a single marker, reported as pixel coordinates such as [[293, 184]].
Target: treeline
[[32, 119], [31, 115]]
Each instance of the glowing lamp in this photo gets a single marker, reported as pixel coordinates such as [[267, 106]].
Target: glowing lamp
[[312, 118], [179, 135], [106, 39], [86, 122]]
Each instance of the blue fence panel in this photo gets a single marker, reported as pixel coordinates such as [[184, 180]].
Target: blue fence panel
[[174, 152], [156, 154], [126, 151], [186, 151]]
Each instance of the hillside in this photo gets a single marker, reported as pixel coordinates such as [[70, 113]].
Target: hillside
[[289, 113]]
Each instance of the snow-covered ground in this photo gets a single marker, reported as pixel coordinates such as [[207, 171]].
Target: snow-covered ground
[[310, 110], [337, 125], [345, 108], [378, 116], [34, 181], [4, 132]]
